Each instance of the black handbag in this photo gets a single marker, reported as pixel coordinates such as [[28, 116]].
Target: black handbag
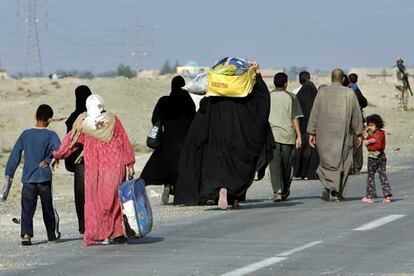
[[155, 135]]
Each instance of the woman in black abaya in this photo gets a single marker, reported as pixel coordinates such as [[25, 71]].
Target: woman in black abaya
[[82, 93], [228, 142], [176, 113], [306, 158]]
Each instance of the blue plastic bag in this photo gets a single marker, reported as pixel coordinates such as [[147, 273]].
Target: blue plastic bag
[[136, 208]]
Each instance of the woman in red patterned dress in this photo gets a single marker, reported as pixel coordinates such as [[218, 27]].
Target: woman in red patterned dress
[[107, 155]]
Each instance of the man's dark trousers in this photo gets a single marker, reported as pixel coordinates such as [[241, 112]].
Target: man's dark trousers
[[30, 193]]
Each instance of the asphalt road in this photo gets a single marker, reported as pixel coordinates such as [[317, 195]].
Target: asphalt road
[[304, 236]]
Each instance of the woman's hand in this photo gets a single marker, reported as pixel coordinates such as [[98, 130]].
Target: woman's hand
[[131, 171], [54, 164], [255, 65]]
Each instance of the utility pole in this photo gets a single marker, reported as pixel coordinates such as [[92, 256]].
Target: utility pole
[[142, 43], [139, 53], [33, 57]]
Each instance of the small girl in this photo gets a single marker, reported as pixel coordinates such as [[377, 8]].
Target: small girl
[[377, 161]]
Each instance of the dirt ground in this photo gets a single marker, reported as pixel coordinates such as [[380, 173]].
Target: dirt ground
[[133, 101]]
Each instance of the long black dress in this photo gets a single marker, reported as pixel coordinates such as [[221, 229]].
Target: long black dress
[[228, 142], [82, 93], [306, 158], [176, 112]]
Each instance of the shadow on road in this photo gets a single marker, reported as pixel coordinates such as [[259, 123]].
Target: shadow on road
[[259, 205], [304, 197], [69, 240], [39, 242], [358, 198], [146, 240], [271, 205]]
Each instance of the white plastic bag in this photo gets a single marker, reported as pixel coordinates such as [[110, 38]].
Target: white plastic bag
[[198, 85]]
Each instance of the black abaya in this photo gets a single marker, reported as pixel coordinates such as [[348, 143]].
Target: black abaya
[[82, 92], [176, 112], [306, 158], [228, 142]]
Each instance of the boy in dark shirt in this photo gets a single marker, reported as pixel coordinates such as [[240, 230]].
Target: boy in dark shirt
[[358, 156], [37, 143]]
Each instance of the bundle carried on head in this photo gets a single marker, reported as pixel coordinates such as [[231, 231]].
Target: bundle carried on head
[[229, 77], [198, 85]]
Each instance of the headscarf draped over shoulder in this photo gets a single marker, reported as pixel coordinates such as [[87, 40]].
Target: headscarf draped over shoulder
[[103, 133], [95, 122]]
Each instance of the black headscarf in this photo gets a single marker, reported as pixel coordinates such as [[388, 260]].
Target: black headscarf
[[306, 96], [178, 102], [177, 85], [82, 92]]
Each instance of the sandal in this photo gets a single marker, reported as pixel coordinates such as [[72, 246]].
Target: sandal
[[104, 242], [367, 200]]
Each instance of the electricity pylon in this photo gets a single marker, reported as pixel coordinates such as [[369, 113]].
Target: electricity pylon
[[33, 57]]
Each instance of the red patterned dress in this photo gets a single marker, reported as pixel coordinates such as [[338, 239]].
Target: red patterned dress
[[105, 170]]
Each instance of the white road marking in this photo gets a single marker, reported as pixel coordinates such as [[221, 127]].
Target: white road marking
[[335, 271], [270, 261], [254, 267], [297, 249], [379, 222]]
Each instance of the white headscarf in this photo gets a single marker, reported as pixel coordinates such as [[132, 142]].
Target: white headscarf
[[96, 110]]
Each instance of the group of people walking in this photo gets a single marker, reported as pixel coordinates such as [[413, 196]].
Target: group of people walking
[[310, 133], [208, 156]]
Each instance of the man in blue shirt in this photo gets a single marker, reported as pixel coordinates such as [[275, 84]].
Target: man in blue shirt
[[37, 143]]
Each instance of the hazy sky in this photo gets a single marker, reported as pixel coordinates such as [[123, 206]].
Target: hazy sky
[[99, 34]]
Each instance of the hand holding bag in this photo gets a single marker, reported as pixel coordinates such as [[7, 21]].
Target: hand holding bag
[[155, 135], [4, 193]]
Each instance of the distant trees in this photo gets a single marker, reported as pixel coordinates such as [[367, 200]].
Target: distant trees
[[168, 69], [125, 71], [107, 74], [121, 71]]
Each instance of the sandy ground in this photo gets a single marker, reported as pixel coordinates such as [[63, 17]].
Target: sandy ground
[[132, 101]]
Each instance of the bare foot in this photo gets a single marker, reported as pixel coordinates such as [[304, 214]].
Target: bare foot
[[222, 203]]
